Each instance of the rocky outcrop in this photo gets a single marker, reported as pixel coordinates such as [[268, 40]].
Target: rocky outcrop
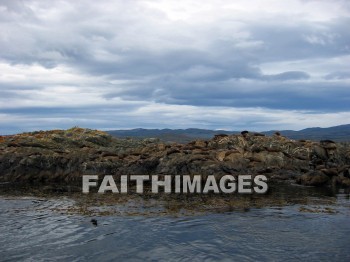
[[66, 155]]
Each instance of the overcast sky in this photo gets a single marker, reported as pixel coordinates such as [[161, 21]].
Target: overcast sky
[[219, 64]]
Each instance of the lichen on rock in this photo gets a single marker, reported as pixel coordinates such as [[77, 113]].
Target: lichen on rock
[[66, 155]]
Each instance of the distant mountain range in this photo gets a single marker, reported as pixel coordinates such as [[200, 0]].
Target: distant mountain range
[[336, 133]]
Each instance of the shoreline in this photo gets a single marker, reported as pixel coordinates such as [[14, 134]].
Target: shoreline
[[64, 156], [307, 199]]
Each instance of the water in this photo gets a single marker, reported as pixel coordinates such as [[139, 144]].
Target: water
[[32, 229]]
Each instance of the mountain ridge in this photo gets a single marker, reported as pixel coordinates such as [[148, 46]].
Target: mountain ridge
[[340, 133]]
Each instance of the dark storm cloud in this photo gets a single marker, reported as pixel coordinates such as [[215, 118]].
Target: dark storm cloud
[[311, 96]]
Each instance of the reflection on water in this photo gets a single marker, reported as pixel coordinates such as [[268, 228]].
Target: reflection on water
[[34, 229]]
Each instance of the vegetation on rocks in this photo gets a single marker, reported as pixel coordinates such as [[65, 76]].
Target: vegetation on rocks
[[66, 155]]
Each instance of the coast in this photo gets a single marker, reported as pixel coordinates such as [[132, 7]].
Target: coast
[[64, 156]]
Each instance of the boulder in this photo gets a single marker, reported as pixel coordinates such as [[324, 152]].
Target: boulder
[[315, 178]]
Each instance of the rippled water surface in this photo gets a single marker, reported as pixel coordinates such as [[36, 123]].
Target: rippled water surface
[[31, 230]]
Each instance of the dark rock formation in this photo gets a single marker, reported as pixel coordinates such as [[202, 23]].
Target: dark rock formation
[[315, 178], [66, 155]]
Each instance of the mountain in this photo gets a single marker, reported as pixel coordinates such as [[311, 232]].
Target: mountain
[[170, 135], [337, 133]]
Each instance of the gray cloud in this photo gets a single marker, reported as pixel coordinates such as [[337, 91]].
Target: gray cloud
[[291, 75], [338, 75], [64, 57]]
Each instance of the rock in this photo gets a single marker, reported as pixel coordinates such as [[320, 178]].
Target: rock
[[66, 155], [161, 147], [200, 144], [172, 151], [328, 144], [315, 178], [344, 181], [94, 222], [319, 152], [346, 172], [244, 133], [258, 134], [218, 136], [330, 171], [220, 155], [151, 140]]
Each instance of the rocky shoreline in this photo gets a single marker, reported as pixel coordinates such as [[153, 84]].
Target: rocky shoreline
[[63, 156]]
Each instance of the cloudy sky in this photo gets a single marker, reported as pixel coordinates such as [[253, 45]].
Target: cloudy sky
[[217, 64]]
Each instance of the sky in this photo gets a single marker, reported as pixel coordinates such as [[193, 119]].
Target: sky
[[213, 64]]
